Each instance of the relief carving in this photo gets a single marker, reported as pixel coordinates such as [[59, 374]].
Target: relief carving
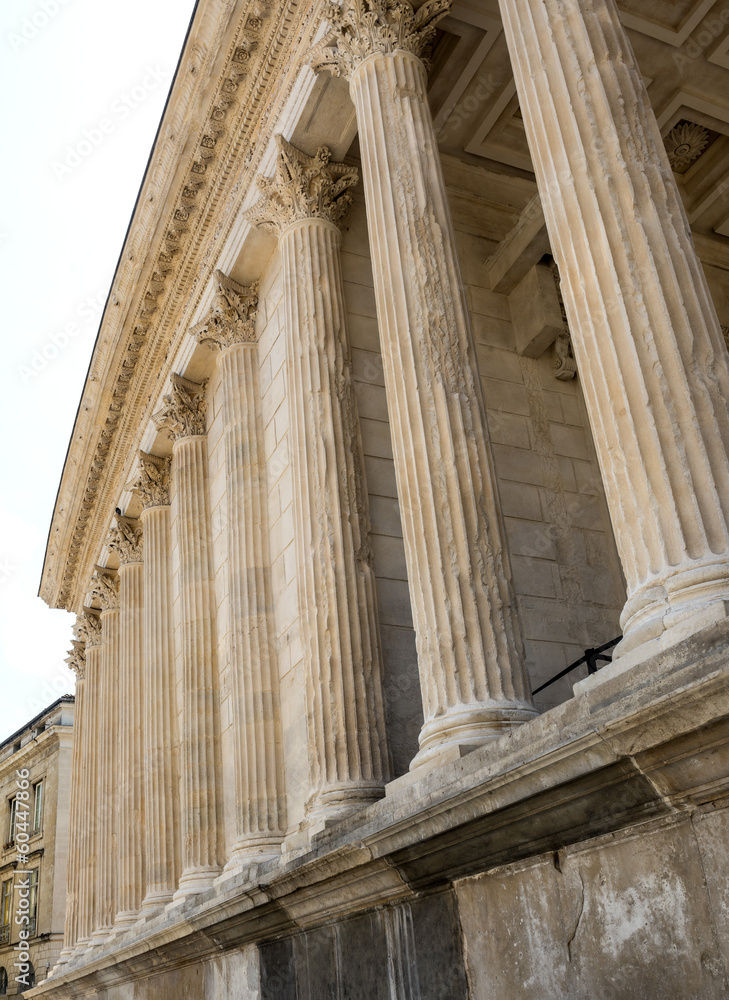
[[153, 485], [88, 627], [184, 409], [76, 658], [564, 366], [232, 319], [105, 588], [359, 28], [126, 539], [303, 187]]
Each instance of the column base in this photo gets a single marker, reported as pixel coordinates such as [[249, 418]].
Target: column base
[[467, 726], [63, 959], [195, 880], [80, 948], [659, 617], [330, 804], [254, 851], [99, 936], [125, 919], [155, 903]]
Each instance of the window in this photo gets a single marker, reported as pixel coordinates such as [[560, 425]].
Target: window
[[3, 982], [33, 901], [6, 902], [37, 807], [13, 816]]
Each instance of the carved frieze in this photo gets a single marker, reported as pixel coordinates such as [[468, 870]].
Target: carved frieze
[[126, 539], [359, 28], [184, 409], [216, 125], [303, 187], [232, 319]]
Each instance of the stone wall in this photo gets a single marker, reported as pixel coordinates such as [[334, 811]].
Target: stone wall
[[631, 916]]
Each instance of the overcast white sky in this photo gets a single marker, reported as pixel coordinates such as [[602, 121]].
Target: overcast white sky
[[83, 87]]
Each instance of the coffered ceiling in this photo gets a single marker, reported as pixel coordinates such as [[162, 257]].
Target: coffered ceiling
[[682, 47]]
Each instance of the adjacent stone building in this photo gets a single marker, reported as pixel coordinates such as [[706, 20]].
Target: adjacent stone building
[[411, 386], [35, 786]]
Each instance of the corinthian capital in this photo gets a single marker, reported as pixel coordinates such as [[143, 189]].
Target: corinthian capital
[[304, 187], [233, 316], [359, 28], [88, 627], [184, 409], [76, 658], [105, 588], [126, 539], [153, 484]]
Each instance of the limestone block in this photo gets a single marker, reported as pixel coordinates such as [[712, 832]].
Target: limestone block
[[535, 312]]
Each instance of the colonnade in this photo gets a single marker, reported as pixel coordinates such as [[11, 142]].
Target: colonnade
[[649, 349]]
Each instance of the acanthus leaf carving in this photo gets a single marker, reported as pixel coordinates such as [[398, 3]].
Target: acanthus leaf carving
[[126, 539], [184, 408], [303, 187], [153, 483], [76, 658], [232, 317], [88, 627], [359, 28], [105, 588]]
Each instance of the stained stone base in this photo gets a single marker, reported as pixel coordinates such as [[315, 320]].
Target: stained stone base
[[585, 854]]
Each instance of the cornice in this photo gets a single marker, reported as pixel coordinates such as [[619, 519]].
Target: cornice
[[239, 64]]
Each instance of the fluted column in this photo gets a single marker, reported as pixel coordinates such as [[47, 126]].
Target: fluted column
[[338, 608], [76, 661], [105, 586], [470, 652], [126, 541], [645, 333], [257, 739], [183, 415], [88, 629], [161, 768]]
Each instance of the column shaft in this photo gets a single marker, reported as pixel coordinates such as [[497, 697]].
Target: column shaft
[[201, 808], [257, 736], [107, 743], [161, 773], [129, 793], [645, 332], [76, 821], [470, 652], [338, 616], [88, 829]]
